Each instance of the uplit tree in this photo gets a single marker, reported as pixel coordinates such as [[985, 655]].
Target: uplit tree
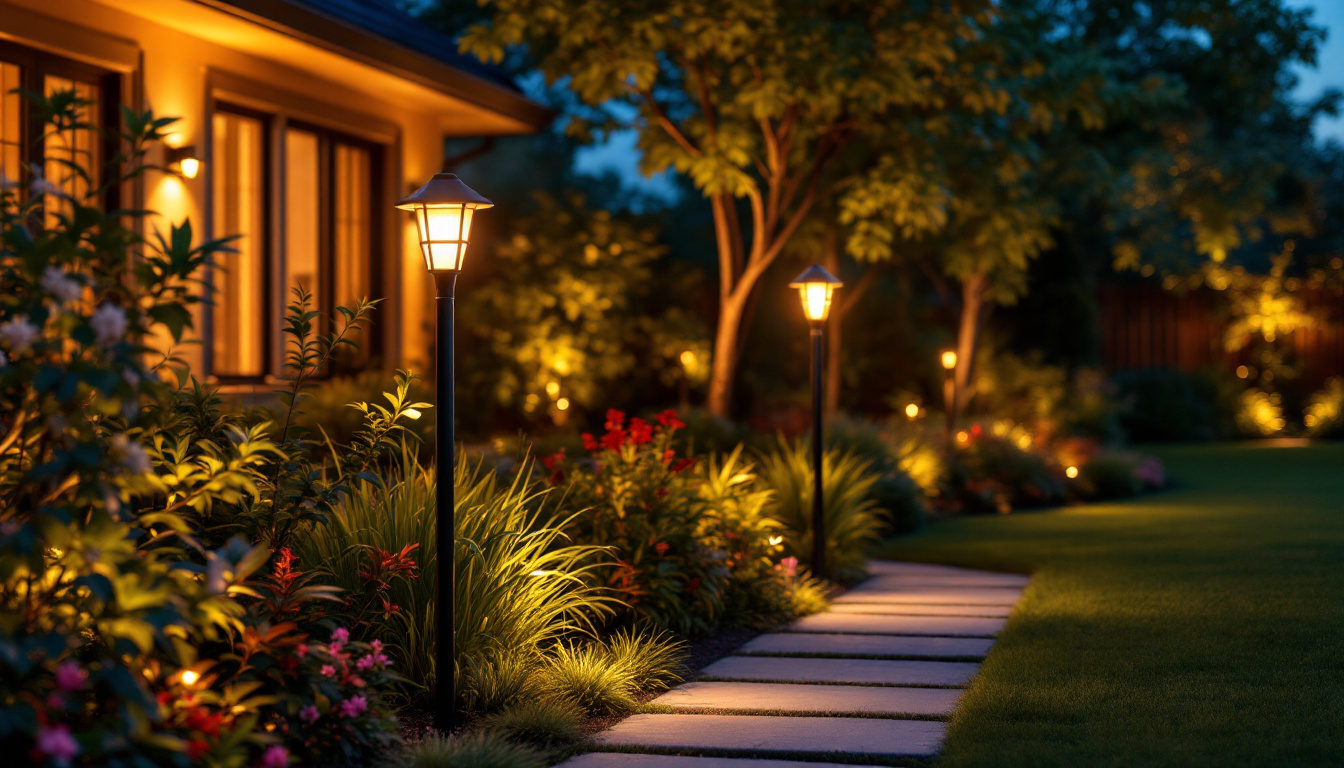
[[752, 100]]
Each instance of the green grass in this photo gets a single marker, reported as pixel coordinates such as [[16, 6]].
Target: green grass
[[1200, 626]]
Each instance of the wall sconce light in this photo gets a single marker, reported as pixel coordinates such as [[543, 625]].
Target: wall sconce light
[[184, 161]]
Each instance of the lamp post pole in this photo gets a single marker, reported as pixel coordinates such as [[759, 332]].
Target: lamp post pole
[[445, 691], [949, 361], [815, 287], [818, 501], [444, 208]]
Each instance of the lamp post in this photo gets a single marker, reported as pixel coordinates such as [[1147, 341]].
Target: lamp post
[[815, 286], [949, 361], [444, 208]]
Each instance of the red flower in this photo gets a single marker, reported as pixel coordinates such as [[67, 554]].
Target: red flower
[[683, 465], [641, 431], [669, 419], [589, 444], [615, 419], [207, 723], [693, 585], [197, 748], [668, 455], [660, 548], [549, 462], [614, 439]]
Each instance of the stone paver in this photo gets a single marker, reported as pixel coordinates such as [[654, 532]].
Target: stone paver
[[923, 609], [925, 574], [783, 697], [868, 645], [930, 595], [950, 626], [637, 760], [760, 734], [867, 671]]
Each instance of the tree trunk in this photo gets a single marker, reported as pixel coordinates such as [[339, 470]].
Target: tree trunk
[[968, 337], [724, 367]]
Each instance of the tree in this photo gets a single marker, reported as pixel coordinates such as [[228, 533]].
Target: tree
[[752, 100]]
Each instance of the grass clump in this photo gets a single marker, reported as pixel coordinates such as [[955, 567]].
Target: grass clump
[[480, 749], [654, 660], [603, 678], [547, 722]]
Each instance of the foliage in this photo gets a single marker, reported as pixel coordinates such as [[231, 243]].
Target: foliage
[[853, 521], [545, 722], [1163, 404], [1260, 413], [478, 749], [1325, 412], [996, 473], [603, 677], [895, 452], [1119, 474], [1048, 400], [520, 585]]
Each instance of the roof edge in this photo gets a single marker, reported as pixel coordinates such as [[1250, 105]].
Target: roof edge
[[323, 31]]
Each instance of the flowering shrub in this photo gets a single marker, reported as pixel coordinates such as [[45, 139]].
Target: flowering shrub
[[990, 472], [1118, 474], [1324, 415]]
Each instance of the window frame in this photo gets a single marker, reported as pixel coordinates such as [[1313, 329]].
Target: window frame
[[34, 66], [274, 268]]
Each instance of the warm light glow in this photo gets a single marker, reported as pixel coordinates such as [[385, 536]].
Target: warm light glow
[[687, 358], [1071, 472], [190, 677], [912, 411], [1243, 371], [190, 166], [775, 541], [949, 359], [1024, 442], [552, 388], [562, 404], [445, 231], [816, 301], [962, 436]]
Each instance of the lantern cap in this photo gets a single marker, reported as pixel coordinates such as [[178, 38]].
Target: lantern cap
[[815, 274], [443, 189]]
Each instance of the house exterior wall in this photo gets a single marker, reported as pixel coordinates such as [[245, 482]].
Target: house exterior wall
[[177, 73]]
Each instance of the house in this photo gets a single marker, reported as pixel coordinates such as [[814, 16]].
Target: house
[[308, 119]]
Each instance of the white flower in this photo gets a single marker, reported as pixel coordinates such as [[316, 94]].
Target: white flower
[[109, 324], [133, 455], [18, 334], [56, 282]]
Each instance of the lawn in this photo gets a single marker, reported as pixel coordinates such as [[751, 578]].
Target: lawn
[[1199, 626]]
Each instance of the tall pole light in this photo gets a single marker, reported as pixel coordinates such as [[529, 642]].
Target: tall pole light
[[815, 287], [949, 361], [444, 208]]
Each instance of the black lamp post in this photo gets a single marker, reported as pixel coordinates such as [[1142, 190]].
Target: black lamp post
[[815, 287], [444, 208], [949, 360]]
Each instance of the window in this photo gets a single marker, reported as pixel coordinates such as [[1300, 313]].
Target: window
[[48, 74], [325, 219]]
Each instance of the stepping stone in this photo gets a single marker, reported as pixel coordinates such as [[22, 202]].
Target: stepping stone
[[868, 592], [638, 760], [933, 575], [892, 568], [923, 609], [951, 626], [769, 697], [867, 645], [760, 734], [867, 671]]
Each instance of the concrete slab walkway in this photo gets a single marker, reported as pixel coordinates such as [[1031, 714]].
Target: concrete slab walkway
[[873, 677]]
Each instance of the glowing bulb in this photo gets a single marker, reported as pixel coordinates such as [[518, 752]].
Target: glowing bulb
[[562, 404], [962, 436], [688, 358], [1071, 472], [1243, 371], [912, 411], [1024, 442], [775, 541], [552, 388], [189, 677], [949, 359], [816, 297], [190, 167]]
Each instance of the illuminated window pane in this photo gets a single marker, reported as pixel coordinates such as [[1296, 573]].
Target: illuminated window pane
[[303, 219], [71, 156], [11, 122], [240, 303], [351, 236]]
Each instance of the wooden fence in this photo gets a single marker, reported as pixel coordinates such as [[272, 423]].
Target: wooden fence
[[1143, 326]]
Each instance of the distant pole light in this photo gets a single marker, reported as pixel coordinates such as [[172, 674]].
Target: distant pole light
[[1071, 472], [815, 287], [444, 209], [949, 360], [912, 411]]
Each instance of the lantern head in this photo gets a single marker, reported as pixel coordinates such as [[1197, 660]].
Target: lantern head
[[949, 359], [815, 287], [443, 210]]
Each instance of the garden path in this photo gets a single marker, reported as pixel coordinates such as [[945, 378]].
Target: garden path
[[875, 676]]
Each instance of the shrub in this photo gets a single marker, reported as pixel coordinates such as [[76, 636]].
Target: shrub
[[853, 521], [481, 749], [653, 660], [1118, 474], [894, 452], [520, 586], [1259, 413], [546, 722], [584, 675], [1164, 405], [1324, 416], [994, 473]]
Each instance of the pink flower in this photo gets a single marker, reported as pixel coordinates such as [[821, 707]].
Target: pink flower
[[69, 677], [364, 664], [57, 743], [354, 706], [275, 756], [335, 647], [377, 646], [328, 670], [301, 649], [309, 714], [790, 566], [341, 635]]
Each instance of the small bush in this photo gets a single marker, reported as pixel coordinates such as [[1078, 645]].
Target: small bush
[[993, 473], [1118, 474], [491, 682], [585, 676], [481, 749], [1324, 416], [653, 660], [547, 722], [1165, 405], [853, 521], [1260, 413]]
